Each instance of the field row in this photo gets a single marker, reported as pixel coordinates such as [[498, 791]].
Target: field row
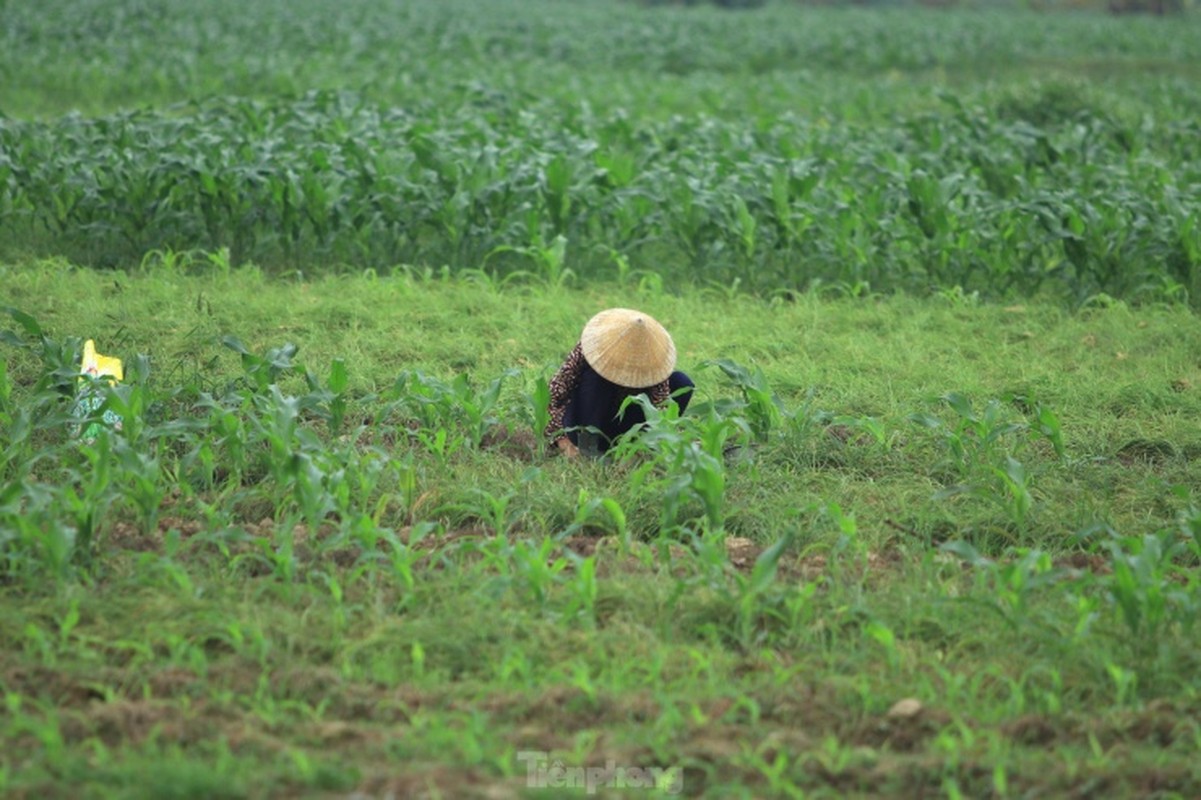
[[288, 443], [399, 51], [1042, 192]]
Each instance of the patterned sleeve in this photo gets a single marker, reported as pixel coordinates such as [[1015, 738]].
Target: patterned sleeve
[[660, 393], [561, 387]]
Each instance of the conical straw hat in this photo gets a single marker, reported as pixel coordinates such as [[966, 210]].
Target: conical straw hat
[[628, 348]]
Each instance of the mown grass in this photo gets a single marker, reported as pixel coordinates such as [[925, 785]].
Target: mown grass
[[408, 601]]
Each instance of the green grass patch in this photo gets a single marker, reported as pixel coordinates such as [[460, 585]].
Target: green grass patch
[[276, 581]]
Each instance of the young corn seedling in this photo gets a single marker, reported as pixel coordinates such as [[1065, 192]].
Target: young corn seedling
[[28, 716], [87, 496], [1141, 587], [758, 595], [263, 372], [37, 537], [1048, 426], [330, 401], [868, 428], [539, 402], [141, 482], [1013, 582], [973, 440], [980, 449], [490, 508], [549, 261], [763, 411], [581, 588], [442, 409], [537, 568], [685, 461], [598, 512]]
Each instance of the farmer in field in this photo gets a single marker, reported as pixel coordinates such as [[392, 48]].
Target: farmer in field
[[620, 353]]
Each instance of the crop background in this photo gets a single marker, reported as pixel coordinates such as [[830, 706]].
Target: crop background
[[1004, 152]]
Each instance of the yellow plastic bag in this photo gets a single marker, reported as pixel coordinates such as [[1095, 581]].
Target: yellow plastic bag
[[95, 365]]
